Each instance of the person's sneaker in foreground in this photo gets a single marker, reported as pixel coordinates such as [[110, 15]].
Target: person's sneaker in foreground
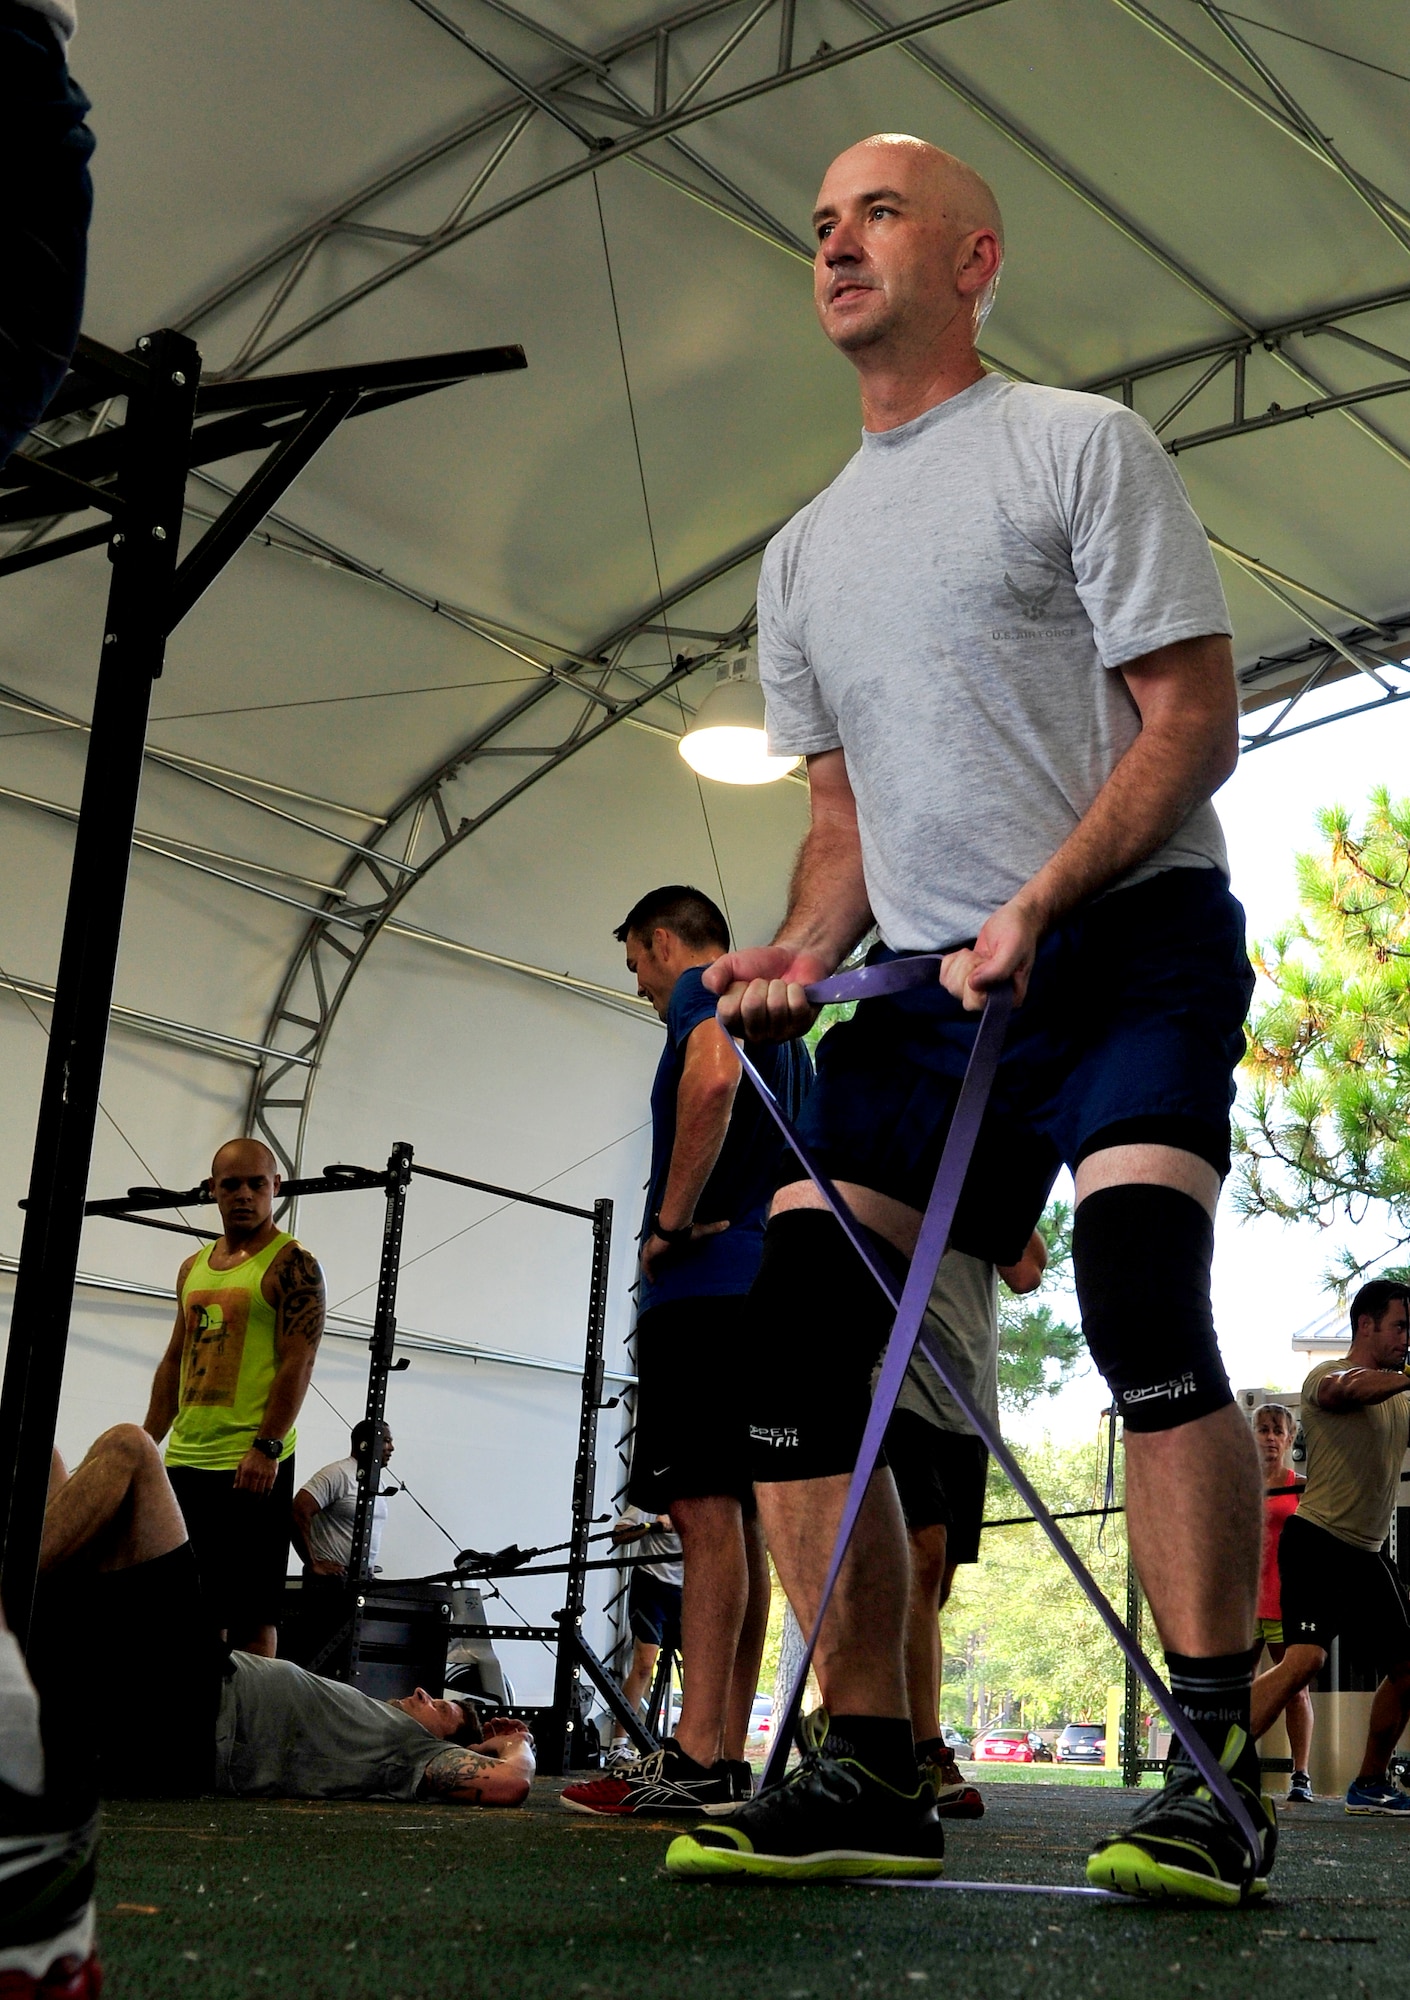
[[1300, 1789], [665, 1782], [1376, 1795], [46, 1903], [954, 1799], [1182, 1844], [830, 1820]]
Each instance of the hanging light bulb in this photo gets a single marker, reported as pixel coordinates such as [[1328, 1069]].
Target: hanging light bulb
[[725, 739]]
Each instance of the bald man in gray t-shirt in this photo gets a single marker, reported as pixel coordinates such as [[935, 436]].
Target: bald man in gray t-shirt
[[999, 639]]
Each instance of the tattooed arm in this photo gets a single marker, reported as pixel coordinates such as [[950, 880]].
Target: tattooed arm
[[496, 1773], [294, 1286]]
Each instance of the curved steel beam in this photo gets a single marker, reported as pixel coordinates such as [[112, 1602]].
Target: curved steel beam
[[296, 255], [420, 832]]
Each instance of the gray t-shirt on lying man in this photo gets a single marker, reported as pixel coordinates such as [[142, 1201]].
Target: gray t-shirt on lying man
[[950, 610], [282, 1733]]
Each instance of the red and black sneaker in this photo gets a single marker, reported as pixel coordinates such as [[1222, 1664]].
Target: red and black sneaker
[[954, 1799], [666, 1782]]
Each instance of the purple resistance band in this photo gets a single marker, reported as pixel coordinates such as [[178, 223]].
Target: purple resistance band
[[909, 1330]]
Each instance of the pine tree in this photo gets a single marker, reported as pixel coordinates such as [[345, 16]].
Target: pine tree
[[1326, 1135]]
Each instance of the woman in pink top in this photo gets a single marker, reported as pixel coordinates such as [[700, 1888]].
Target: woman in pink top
[[1274, 1428]]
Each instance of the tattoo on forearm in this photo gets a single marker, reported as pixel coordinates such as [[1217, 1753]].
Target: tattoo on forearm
[[456, 1773], [301, 1295]]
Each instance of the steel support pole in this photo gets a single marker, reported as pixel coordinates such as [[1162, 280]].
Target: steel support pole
[[1133, 1752], [559, 1749], [143, 553], [382, 1346]]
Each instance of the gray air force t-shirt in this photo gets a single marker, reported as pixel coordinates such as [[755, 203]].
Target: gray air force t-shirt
[[282, 1733], [950, 612]]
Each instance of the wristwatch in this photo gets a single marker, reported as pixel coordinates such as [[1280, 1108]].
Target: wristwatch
[[271, 1447], [681, 1235]]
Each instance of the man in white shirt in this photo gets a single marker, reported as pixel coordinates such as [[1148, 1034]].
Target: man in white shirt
[[324, 1508]]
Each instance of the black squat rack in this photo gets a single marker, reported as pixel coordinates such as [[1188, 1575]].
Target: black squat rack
[[131, 473]]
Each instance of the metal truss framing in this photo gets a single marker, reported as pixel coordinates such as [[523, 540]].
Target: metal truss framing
[[1377, 656], [613, 682], [1220, 370], [634, 99], [653, 81]]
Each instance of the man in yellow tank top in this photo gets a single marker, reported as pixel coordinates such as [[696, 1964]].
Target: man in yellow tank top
[[250, 1310]]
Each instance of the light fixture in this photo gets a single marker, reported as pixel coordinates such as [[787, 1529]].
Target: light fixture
[[726, 739]]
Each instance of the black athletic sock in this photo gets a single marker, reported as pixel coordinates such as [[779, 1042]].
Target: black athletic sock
[[1213, 1693], [933, 1750], [883, 1744], [687, 1766]]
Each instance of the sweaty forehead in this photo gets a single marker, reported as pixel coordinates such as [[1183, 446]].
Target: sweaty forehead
[[904, 172]]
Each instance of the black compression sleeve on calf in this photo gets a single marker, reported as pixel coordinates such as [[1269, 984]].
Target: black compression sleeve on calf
[[1141, 1256]]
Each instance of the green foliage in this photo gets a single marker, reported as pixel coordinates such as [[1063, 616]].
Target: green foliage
[[1020, 1639], [1040, 1351], [1327, 1107]]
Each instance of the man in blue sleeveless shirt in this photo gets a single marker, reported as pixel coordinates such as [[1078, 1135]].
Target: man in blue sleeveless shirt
[[716, 1162]]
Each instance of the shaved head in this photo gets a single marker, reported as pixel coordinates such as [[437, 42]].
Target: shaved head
[[964, 197], [244, 1156], [910, 244]]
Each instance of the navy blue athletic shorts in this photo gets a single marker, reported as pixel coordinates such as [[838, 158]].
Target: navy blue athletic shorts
[[654, 1610], [1131, 1031]]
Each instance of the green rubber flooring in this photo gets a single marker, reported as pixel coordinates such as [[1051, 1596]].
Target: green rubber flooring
[[238, 1900]]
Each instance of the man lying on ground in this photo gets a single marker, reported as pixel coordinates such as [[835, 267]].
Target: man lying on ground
[[123, 1642]]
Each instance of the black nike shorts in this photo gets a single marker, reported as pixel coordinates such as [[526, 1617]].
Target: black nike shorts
[[692, 1436]]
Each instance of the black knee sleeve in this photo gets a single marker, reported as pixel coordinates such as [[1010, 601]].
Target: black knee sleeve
[[818, 1324], [1141, 1256]]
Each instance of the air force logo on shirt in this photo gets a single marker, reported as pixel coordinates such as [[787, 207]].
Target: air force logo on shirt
[[1032, 601]]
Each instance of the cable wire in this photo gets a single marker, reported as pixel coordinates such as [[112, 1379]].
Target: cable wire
[[537, 1188], [651, 532], [131, 1146]]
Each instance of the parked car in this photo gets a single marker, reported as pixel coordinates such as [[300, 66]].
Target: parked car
[[1042, 1754], [956, 1742], [1003, 1746], [760, 1737], [1082, 1743]]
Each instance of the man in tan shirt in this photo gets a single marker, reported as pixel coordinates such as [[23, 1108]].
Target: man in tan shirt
[[1335, 1580]]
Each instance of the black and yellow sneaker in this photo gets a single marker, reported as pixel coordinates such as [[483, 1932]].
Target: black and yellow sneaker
[[1181, 1844], [832, 1819]]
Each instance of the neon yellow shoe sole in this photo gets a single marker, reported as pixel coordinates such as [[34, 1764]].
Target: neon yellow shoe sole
[[1128, 1867], [687, 1857]]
